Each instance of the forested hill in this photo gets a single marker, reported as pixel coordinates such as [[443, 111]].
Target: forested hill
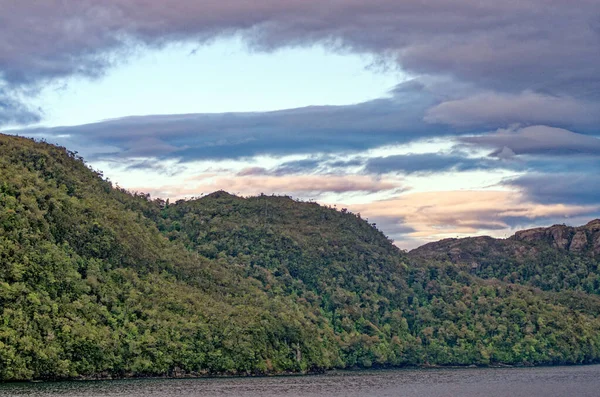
[[97, 282], [555, 258]]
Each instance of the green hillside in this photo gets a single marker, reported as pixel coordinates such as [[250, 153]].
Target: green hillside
[[89, 287], [97, 282]]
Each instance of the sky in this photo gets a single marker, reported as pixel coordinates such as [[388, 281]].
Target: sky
[[437, 119]]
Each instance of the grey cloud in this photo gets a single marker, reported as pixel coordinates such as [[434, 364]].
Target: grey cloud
[[427, 163], [297, 167], [563, 188], [324, 129], [253, 171], [542, 45], [581, 164], [345, 164], [287, 168], [14, 112], [504, 154], [147, 165], [495, 110], [540, 139], [394, 228]]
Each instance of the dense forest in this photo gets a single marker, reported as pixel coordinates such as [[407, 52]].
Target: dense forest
[[99, 282]]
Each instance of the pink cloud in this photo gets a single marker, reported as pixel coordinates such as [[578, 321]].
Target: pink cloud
[[291, 184], [442, 214]]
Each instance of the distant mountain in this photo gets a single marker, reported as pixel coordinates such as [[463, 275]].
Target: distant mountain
[[554, 258], [98, 282], [580, 240]]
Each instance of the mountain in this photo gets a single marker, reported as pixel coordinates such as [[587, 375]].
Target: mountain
[[98, 282], [581, 240], [556, 258], [89, 287]]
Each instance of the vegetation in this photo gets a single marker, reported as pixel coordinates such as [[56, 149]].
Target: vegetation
[[98, 282], [559, 258]]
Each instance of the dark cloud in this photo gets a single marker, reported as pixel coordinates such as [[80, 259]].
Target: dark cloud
[[546, 47], [581, 164], [564, 188], [540, 139], [14, 112], [493, 109], [345, 164], [492, 43], [395, 229], [428, 163], [148, 165], [253, 171], [322, 129], [298, 167]]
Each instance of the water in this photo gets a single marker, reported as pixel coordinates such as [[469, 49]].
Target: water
[[510, 382]]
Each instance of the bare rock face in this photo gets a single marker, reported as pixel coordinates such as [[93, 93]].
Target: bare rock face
[[579, 242], [530, 235], [560, 235], [582, 240], [596, 247]]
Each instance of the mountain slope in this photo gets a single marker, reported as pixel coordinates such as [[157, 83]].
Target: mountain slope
[[97, 282], [88, 287], [384, 307]]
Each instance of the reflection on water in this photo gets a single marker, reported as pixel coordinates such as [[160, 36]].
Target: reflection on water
[[515, 382]]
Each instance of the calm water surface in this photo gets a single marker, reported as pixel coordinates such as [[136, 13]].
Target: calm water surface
[[514, 382]]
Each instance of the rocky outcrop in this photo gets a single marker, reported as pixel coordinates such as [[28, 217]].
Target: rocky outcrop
[[575, 239], [593, 226], [560, 236], [530, 235], [596, 246], [523, 245], [579, 242]]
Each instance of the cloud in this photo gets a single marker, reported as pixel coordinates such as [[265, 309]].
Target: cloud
[[539, 140], [309, 166], [316, 129], [250, 171], [567, 187], [253, 184], [14, 112], [538, 46], [152, 166], [442, 214], [494, 110], [493, 43], [428, 163], [298, 166]]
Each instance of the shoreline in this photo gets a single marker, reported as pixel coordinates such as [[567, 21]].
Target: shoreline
[[105, 378]]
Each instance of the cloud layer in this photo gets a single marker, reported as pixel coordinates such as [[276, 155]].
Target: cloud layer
[[548, 47], [538, 139], [487, 41], [297, 185], [190, 137], [442, 214]]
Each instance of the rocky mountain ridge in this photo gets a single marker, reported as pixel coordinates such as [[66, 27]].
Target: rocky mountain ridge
[[574, 239]]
